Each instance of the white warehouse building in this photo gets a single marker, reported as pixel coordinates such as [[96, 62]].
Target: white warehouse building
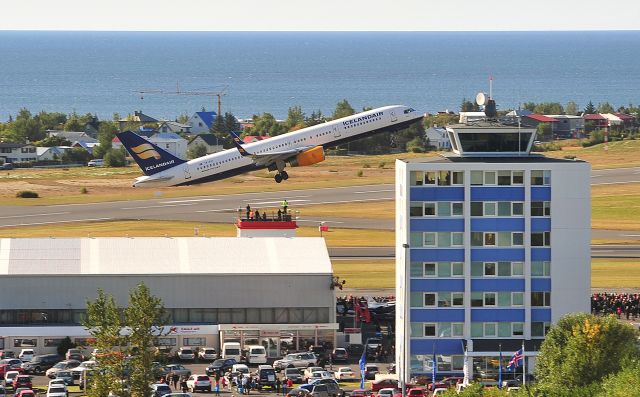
[[269, 291]]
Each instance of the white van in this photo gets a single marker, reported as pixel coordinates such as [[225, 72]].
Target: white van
[[256, 354], [231, 350], [95, 163]]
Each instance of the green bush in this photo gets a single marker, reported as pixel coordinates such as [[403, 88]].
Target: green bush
[[84, 190], [27, 194], [382, 164], [360, 173], [366, 165]]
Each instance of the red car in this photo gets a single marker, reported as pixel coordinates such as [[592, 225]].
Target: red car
[[360, 393], [27, 393], [22, 381], [383, 384], [446, 383], [416, 392], [4, 368]]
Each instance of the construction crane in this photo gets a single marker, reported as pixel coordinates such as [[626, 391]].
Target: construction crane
[[178, 91]]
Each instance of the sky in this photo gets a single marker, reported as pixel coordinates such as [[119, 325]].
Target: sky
[[320, 15]]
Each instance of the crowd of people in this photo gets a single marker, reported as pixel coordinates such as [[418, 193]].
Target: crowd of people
[[242, 383], [625, 306], [253, 214]]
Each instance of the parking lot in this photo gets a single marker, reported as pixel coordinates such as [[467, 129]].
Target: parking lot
[[40, 382]]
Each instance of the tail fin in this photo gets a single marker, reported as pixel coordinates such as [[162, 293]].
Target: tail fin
[[237, 142], [149, 157]]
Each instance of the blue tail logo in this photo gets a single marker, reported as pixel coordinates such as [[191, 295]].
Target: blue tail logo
[[149, 157]]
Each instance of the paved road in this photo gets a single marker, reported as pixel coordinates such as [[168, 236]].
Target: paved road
[[223, 209]]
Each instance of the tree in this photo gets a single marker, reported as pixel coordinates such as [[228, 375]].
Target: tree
[[590, 108], [571, 108], [182, 119], [468, 106], [145, 316], [529, 106], [266, 124], [115, 158], [548, 108], [544, 131], [26, 128], [218, 128], [416, 145], [343, 109], [55, 140], [106, 132], [73, 123], [231, 123], [76, 155], [315, 119], [625, 383], [52, 121], [64, 346], [295, 118], [581, 349], [198, 150], [605, 108]]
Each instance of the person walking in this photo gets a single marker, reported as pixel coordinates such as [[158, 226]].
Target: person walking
[[216, 388], [289, 384], [248, 211], [285, 205], [278, 383]]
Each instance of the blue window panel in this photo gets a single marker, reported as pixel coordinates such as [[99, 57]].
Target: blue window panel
[[497, 284], [437, 346], [497, 315], [437, 254], [540, 284], [436, 193], [497, 225], [437, 285], [539, 254], [540, 193], [497, 254], [540, 224], [497, 193], [437, 225], [437, 315], [540, 314]]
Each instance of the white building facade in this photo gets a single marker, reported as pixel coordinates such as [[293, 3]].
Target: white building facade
[[491, 250]]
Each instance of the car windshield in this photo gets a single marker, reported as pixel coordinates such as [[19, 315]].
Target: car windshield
[[203, 377], [244, 370], [218, 362], [57, 390], [292, 371], [187, 351], [163, 387]]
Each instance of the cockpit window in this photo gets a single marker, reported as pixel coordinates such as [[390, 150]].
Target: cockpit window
[[410, 110]]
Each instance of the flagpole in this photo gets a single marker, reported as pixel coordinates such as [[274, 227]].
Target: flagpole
[[500, 368], [524, 366]]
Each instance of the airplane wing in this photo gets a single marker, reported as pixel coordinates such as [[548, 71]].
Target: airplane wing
[[264, 159]]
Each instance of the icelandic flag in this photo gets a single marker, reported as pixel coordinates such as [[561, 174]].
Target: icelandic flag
[[516, 360], [363, 363]]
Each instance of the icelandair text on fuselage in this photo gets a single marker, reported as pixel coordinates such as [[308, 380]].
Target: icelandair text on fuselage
[[359, 119], [153, 167]]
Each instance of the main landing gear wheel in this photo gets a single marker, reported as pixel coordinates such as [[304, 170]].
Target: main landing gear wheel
[[278, 178], [285, 176]]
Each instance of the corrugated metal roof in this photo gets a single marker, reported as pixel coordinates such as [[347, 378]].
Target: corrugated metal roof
[[158, 255], [542, 118], [207, 117]]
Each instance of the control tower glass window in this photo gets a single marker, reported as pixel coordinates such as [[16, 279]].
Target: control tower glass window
[[492, 142]]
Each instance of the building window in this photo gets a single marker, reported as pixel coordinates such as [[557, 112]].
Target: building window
[[517, 298], [477, 178], [457, 329], [489, 177], [490, 329], [457, 178], [429, 239], [518, 177], [429, 299], [477, 208], [429, 209], [444, 178], [540, 299], [457, 299], [540, 269], [416, 178], [444, 299], [477, 299], [517, 329], [194, 341], [489, 209], [517, 268], [504, 269], [430, 178], [489, 269], [429, 329], [504, 178], [457, 269], [517, 208], [540, 208], [457, 239], [489, 239], [489, 299], [540, 178], [541, 239], [540, 329], [517, 238], [429, 269], [416, 208], [457, 209]]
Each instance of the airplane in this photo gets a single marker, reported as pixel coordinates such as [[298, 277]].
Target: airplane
[[297, 149]]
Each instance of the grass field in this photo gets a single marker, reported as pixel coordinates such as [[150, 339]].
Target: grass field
[[616, 207], [366, 274], [615, 273], [620, 154]]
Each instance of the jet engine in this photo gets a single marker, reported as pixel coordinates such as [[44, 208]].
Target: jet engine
[[308, 157]]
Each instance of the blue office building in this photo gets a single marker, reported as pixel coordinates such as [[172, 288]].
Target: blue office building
[[493, 246]]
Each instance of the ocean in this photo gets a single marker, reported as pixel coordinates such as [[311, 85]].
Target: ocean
[[104, 72]]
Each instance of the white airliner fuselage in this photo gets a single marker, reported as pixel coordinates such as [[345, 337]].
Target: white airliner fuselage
[[272, 153]]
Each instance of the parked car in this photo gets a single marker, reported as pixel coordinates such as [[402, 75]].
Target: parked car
[[95, 163], [416, 392], [160, 389], [333, 388], [57, 391], [237, 369], [199, 382], [26, 355], [178, 394], [370, 371], [7, 166], [339, 354], [294, 374], [298, 392], [74, 354], [445, 383], [9, 377], [22, 381], [360, 393], [7, 354], [39, 364], [58, 382], [372, 345], [61, 366], [310, 370], [220, 366], [178, 369], [345, 373], [387, 392], [66, 376], [320, 391], [85, 365], [3, 391], [4, 368], [266, 376], [298, 360], [380, 384], [186, 354], [317, 375], [207, 354], [26, 393]]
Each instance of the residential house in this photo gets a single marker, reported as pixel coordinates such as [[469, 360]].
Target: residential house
[[17, 152], [171, 142], [437, 137], [619, 119], [51, 153], [595, 121], [201, 122], [174, 126], [138, 120], [73, 136], [254, 138], [568, 126], [628, 121], [210, 141]]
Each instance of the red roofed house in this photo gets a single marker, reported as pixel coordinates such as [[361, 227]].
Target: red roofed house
[[254, 138], [594, 122]]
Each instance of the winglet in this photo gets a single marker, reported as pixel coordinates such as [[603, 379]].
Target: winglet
[[237, 142], [151, 158]]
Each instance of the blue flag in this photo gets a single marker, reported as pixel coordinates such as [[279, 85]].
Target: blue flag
[[500, 371], [434, 369], [363, 363]]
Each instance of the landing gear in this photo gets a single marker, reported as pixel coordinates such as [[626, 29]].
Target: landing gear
[[278, 178], [282, 174], [285, 176]]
